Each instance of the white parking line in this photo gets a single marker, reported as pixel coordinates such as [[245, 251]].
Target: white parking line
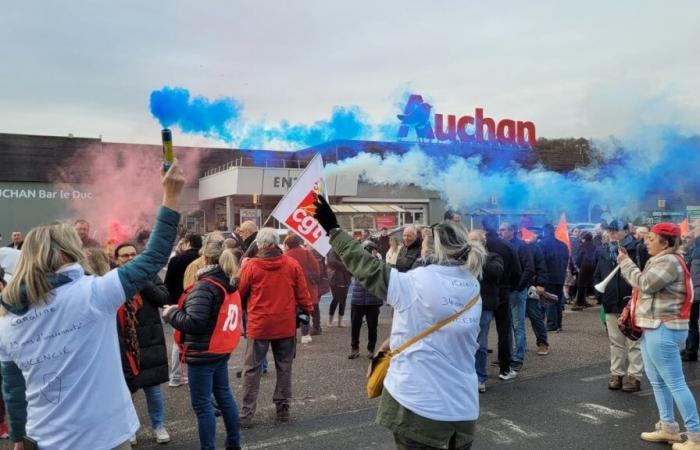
[[504, 431], [592, 412], [604, 410], [301, 437]]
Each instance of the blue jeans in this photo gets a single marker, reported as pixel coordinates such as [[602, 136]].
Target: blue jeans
[[535, 312], [555, 311], [154, 400], [518, 302], [205, 380], [662, 364], [482, 351]]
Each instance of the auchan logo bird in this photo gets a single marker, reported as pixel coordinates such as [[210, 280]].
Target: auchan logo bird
[[417, 116]]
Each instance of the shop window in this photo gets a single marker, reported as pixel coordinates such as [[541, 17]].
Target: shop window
[[345, 221], [362, 221]]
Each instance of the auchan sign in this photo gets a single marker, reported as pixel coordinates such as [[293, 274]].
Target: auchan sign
[[448, 127]]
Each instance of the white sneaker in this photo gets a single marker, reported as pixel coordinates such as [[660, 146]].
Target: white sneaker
[[505, 376], [482, 388], [162, 436], [306, 339], [132, 440], [174, 383]]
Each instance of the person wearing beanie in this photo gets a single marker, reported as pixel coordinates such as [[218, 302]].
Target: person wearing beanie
[[661, 301]]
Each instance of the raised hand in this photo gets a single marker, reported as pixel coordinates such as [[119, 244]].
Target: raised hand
[[325, 215]]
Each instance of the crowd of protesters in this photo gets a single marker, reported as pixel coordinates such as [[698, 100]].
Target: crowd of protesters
[[269, 289]]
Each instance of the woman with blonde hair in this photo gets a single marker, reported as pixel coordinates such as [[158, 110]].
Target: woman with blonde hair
[[207, 371], [430, 396], [394, 249], [74, 380], [96, 261], [661, 301]]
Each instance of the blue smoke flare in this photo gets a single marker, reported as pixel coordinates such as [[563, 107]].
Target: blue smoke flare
[[210, 118]]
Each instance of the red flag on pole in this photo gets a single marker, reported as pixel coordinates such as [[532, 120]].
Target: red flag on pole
[[685, 227], [562, 231]]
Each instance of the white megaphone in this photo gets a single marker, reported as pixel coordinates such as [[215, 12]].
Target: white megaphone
[[600, 287]]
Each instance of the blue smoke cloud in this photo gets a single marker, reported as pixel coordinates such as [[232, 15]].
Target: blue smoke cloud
[[210, 118], [221, 119], [625, 181], [627, 174]]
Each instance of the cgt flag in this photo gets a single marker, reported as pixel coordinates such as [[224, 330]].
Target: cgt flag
[[296, 209]]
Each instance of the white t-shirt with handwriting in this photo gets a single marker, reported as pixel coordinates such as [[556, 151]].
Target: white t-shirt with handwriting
[[435, 377], [69, 355]]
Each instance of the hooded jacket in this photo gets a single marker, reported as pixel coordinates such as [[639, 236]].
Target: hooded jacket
[[197, 319], [271, 286], [312, 272]]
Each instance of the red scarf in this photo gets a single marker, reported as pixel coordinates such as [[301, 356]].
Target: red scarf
[[126, 318]]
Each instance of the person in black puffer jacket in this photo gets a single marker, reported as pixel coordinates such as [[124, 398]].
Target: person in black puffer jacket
[[207, 372], [489, 289], [142, 343]]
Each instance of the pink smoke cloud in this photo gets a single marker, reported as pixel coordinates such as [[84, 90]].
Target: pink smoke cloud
[[123, 186]]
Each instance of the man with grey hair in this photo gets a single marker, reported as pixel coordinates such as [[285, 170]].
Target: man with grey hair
[[249, 232], [410, 251], [272, 286]]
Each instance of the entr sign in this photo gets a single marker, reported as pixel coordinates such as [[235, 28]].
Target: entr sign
[[465, 128]]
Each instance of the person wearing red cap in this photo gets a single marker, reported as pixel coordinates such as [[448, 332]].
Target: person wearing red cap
[[662, 297]]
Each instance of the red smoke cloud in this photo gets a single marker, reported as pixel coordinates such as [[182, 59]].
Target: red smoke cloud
[[125, 189]]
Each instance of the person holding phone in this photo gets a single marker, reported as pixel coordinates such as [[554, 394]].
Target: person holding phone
[[662, 300], [57, 327]]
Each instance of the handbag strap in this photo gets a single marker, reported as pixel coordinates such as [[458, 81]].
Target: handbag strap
[[432, 329]]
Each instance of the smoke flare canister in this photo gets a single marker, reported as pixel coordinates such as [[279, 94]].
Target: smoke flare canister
[[168, 155]]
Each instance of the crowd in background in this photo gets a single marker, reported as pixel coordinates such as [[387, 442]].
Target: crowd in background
[[278, 284]]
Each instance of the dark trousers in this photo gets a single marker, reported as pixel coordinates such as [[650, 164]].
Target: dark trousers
[[691, 343], [283, 351], [357, 313], [555, 312], [340, 294], [207, 380], [585, 284], [315, 325], [536, 315], [503, 326]]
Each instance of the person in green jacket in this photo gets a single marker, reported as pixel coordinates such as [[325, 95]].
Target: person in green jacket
[[430, 395]]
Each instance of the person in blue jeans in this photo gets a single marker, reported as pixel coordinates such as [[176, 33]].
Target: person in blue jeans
[[662, 302], [208, 372], [142, 343], [492, 273], [518, 297]]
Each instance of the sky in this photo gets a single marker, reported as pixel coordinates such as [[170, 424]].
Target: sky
[[576, 69]]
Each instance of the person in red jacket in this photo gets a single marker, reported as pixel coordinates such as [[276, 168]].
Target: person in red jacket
[[271, 287], [294, 248]]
